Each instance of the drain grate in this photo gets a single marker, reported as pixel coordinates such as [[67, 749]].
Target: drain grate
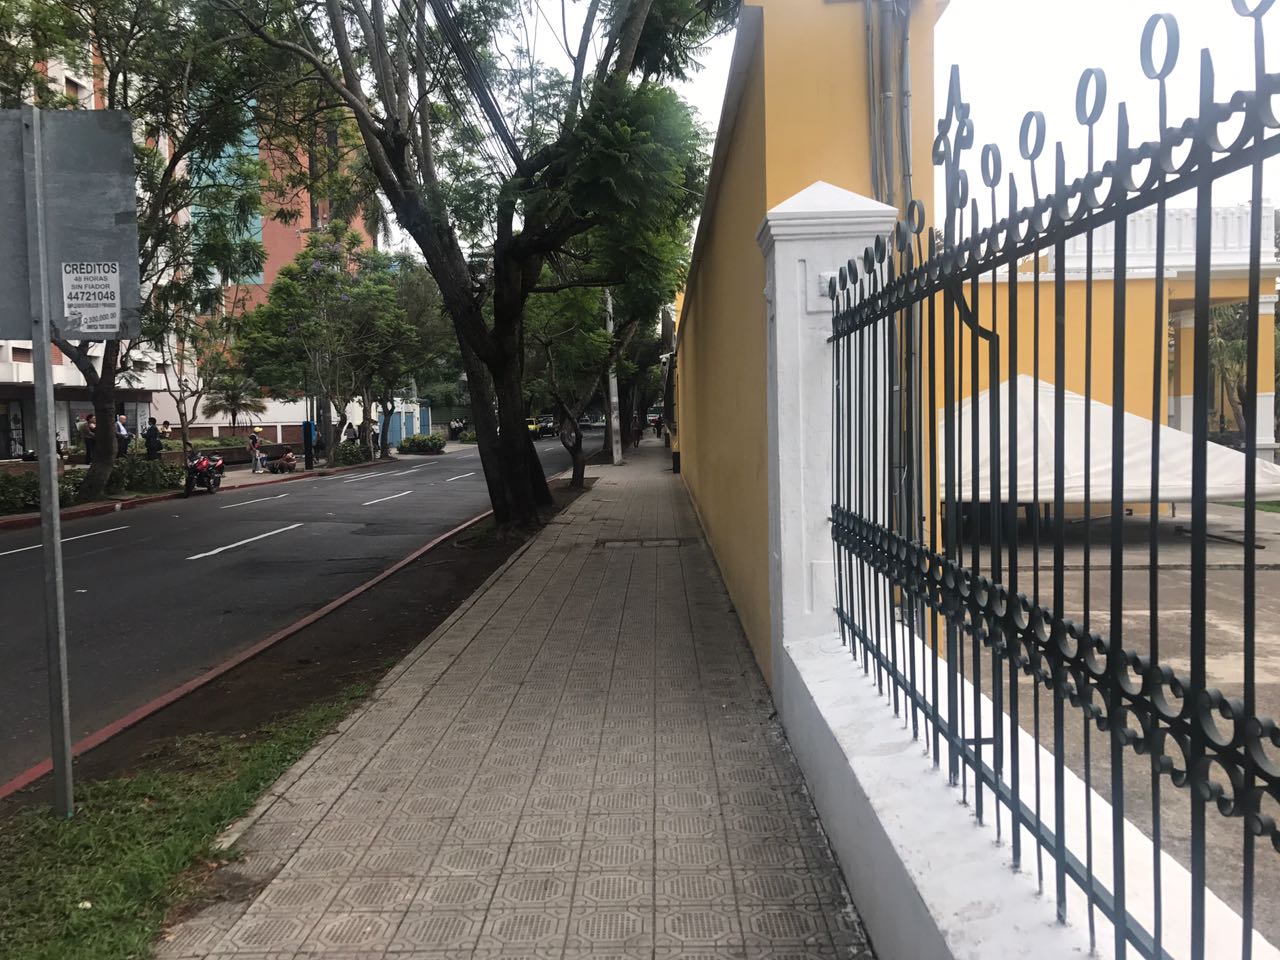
[[622, 544]]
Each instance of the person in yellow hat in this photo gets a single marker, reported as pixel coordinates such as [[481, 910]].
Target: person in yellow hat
[[255, 450]]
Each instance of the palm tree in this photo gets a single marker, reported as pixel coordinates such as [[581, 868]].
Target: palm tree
[[234, 396]]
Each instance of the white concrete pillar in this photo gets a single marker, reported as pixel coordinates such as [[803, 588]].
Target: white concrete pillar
[[805, 240], [1267, 397], [1182, 326]]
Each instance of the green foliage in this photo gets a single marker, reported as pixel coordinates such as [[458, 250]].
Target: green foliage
[[468, 437], [349, 453], [676, 31], [236, 397], [422, 443], [205, 443], [32, 33], [99, 886], [20, 493], [332, 323], [139, 475]]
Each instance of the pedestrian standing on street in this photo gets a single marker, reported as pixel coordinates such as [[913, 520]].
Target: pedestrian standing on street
[[84, 430], [254, 444], [122, 435], [637, 429], [153, 440], [165, 430]]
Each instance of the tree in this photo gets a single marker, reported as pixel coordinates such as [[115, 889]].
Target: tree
[[235, 396], [1228, 357], [187, 319], [31, 34], [332, 324], [195, 85], [420, 344], [594, 143]]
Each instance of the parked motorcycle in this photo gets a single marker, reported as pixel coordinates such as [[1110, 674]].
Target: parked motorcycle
[[205, 471]]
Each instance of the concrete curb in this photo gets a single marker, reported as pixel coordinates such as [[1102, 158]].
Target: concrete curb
[[23, 520]]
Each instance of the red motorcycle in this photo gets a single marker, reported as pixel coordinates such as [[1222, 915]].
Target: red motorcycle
[[205, 471]]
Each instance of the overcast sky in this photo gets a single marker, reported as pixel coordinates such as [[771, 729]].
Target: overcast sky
[[1019, 55]]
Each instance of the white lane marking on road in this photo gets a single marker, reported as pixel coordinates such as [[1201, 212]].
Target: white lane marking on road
[[367, 476], [411, 469], [395, 496], [82, 536], [241, 543], [461, 477], [245, 503]]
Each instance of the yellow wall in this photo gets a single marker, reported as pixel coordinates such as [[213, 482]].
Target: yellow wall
[[720, 377], [801, 118], [817, 93]]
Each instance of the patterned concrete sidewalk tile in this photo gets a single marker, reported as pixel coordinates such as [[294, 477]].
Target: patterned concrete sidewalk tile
[[438, 930], [522, 929], [583, 764]]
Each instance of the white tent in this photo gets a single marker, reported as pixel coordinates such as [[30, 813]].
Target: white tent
[[1226, 473]]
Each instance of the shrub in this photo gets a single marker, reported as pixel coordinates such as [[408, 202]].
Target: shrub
[[20, 493], [350, 453], [422, 443], [469, 437], [145, 476], [203, 443]]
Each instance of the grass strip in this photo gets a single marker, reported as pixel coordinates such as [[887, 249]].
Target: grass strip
[[99, 886], [1266, 506]]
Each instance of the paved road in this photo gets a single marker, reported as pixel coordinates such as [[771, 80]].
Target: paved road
[[184, 584]]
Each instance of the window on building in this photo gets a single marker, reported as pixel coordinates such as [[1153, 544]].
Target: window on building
[[21, 354], [73, 90]]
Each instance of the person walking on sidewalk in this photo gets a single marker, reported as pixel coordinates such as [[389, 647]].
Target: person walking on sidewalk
[[122, 435], [152, 438]]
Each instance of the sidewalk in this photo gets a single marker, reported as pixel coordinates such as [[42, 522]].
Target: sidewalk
[[581, 762]]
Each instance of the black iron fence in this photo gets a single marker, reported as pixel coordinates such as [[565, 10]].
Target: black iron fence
[[1033, 563]]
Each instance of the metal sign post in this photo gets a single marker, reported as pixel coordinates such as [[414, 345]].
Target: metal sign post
[[69, 242], [614, 419], [47, 452]]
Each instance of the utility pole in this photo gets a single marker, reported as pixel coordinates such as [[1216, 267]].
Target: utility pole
[[55, 614], [615, 427]]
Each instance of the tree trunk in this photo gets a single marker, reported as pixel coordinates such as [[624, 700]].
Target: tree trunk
[[366, 426], [485, 424], [384, 446], [571, 438], [515, 450], [103, 394]]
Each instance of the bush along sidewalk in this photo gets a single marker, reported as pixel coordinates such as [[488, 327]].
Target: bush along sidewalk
[[21, 493], [99, 886], [349, 453], [422, 443]]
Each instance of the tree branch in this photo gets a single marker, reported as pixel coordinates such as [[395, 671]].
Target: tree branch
[[580, 62], [578, 283]]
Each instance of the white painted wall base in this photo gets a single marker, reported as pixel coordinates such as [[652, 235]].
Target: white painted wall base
[[928, 883]]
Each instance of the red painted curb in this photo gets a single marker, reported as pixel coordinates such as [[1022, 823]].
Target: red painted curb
[[29, 776], [98, 509]]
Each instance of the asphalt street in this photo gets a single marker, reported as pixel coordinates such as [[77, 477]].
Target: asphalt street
[[158, 595]]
